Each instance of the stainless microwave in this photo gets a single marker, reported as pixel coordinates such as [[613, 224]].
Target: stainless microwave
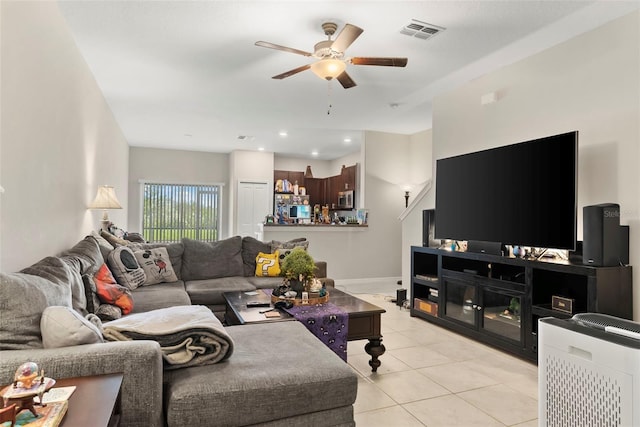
[[345, 199]]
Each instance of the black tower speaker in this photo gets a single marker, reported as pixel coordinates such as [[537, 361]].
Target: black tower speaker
[[601, 235], [624, 244], [428, 228]]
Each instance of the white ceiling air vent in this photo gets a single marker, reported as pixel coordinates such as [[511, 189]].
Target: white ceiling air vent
[[421, 30]]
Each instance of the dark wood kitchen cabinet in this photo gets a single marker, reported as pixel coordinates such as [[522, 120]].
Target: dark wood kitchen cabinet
[[322, 191]]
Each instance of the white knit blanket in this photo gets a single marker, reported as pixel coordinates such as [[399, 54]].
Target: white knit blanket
[[188, 335]]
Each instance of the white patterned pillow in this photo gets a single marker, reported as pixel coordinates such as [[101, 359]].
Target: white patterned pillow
[[285, 248], [156, 265], [125, 268]]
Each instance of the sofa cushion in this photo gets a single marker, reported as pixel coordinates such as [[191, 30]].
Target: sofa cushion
[[63, 327], [251, 247], [67, 273], [210, 260], [209, 292], [162, 295], [78, 295], [103, 244], [268, 265], [309, 378], [265, 282], [175, 251], [125, 268], [90, 254], [156, 265], [23, 298]]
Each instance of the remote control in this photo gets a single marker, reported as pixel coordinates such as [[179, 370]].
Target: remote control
[[258, 304]]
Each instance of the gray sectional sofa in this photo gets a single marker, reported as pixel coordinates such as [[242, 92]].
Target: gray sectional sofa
[[279, 374]]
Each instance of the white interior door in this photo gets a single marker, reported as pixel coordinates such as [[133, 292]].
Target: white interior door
[[253, 206]]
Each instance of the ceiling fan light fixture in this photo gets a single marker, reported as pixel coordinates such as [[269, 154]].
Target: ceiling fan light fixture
[[329, 68]]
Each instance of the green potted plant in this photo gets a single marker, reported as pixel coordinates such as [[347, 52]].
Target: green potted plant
[[298, 268]]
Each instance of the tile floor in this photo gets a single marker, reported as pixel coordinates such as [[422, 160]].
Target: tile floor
[[433, 377]]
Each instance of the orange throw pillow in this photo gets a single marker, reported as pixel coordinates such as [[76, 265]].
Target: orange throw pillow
[[110, 292]]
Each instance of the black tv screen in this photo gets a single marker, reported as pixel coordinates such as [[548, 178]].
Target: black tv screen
[[521, 194]]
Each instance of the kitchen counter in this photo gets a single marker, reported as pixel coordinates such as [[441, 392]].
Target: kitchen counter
[[318, 226]]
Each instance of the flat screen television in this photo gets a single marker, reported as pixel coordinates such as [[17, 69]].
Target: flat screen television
[[521, 194]]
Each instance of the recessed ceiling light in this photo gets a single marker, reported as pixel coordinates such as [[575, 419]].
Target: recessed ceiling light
[[347, 140], [260, 148], [314, 153], [283, 133]]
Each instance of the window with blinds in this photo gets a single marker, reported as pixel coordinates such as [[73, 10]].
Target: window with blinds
[[173, 211]]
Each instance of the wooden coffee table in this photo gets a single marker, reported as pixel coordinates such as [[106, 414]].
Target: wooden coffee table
[[364, 317]]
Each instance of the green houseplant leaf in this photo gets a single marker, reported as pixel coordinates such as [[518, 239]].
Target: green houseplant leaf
[[298, 265]]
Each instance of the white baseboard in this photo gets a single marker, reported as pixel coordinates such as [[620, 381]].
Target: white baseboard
[[368, 281]]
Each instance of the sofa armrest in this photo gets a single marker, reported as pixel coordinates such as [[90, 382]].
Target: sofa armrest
[[321, 273], [321, 269], [140, 362]]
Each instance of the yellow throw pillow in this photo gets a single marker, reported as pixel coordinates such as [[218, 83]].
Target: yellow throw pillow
[[267, 265]]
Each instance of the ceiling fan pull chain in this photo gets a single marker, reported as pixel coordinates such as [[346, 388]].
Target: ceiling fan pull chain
[[329, 96]]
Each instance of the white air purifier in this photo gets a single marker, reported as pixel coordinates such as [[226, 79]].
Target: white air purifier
[[588, 371]]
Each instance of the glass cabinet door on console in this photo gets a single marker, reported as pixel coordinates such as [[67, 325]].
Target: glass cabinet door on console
[[501, 312], [479, 304], [460, 300]]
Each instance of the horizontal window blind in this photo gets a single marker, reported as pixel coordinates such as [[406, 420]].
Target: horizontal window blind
[[173, 211]]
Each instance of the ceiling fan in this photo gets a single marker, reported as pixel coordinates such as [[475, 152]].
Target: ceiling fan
[[331, 62]]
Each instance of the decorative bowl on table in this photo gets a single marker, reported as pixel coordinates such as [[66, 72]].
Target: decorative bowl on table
[[313, 299]]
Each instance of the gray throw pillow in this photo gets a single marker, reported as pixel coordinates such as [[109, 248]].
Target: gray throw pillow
[[63, 327], [204, 260], [251, 247], [108, 312], [93, 301], [23, 298]]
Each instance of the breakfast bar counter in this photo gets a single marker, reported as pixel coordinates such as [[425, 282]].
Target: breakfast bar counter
[[308, 227]]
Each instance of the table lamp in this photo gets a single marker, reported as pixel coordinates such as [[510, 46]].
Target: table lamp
[[105, 199]]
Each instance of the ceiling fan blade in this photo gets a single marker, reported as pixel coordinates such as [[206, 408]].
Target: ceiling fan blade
[[291, 72], [345, 80], [283, 48], [387, 62], [348, 35]]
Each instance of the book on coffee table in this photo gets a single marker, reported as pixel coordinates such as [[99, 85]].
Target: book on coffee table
[[48, 416], [56, 394]]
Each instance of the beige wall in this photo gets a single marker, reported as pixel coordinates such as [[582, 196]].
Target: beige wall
[[175, 166], [421, 173], [373, 252], [58, 138], [590, 84]]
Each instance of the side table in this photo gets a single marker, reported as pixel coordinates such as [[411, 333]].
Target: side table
[[95, 402]]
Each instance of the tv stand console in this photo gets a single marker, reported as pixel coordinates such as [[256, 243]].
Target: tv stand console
[[498, 300]]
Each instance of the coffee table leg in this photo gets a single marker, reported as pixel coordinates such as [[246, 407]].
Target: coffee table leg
[[375, 349]]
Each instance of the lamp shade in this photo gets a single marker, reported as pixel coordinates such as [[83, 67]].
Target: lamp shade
[[328, 69], [105, 199]]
